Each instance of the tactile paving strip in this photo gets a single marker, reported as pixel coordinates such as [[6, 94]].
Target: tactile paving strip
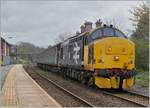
[[9, 90]]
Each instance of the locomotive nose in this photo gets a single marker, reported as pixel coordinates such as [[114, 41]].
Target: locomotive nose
[[113, 56], [120, 52], [115, 52]]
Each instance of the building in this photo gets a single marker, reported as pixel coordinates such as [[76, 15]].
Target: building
[[6, 52]]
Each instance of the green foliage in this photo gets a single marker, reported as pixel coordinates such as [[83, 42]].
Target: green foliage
[[26, 52], [141, 36], [28, 48], [141, 22], [142, 54], [142, 78], [23, 61]]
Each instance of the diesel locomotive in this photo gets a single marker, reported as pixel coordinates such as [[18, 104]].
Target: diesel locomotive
[[101, 56]]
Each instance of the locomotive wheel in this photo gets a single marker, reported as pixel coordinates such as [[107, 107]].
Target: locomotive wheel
[[91, 81], [83, 78]]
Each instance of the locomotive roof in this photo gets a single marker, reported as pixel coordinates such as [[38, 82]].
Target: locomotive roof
[[77, 35], [92, 31]]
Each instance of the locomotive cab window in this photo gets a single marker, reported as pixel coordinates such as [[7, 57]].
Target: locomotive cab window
[[89, 39], [108, 32], [97, 34]]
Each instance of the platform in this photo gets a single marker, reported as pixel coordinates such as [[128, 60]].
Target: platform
[[22, 91]]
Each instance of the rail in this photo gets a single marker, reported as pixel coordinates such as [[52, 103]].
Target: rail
[[140, 100], [65, 90]]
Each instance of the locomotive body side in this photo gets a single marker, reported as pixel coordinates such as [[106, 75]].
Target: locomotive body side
[[72, 52]]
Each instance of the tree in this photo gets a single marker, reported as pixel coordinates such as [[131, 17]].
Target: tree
[[115, 23], [63, 37], [141, 22], [26, 52], [140, 35]]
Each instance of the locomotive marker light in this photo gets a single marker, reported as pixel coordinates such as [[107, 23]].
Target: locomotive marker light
[[109, 49]]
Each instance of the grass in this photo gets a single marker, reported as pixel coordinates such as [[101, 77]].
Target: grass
[[142, 78], [23, 61]]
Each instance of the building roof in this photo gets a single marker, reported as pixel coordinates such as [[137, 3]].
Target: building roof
[[3, 40]]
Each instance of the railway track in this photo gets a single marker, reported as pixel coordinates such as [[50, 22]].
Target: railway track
[[87, 104], [140, 100], [125, 96]]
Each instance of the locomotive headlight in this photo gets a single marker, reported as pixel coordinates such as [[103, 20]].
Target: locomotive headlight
[[116, 58], [109, 49]]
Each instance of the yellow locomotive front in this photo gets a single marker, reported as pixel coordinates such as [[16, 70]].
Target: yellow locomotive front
[[111, 56]]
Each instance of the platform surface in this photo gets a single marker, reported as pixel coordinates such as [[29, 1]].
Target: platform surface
[[22, 91]]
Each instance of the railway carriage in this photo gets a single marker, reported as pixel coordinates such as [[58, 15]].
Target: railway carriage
[[102, 56]]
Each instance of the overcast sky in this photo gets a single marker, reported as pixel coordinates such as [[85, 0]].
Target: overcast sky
[[41, 23]]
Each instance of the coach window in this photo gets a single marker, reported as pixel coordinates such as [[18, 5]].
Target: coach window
[[108, 32]]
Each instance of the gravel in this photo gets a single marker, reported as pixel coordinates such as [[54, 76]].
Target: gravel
[[141, 90]]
